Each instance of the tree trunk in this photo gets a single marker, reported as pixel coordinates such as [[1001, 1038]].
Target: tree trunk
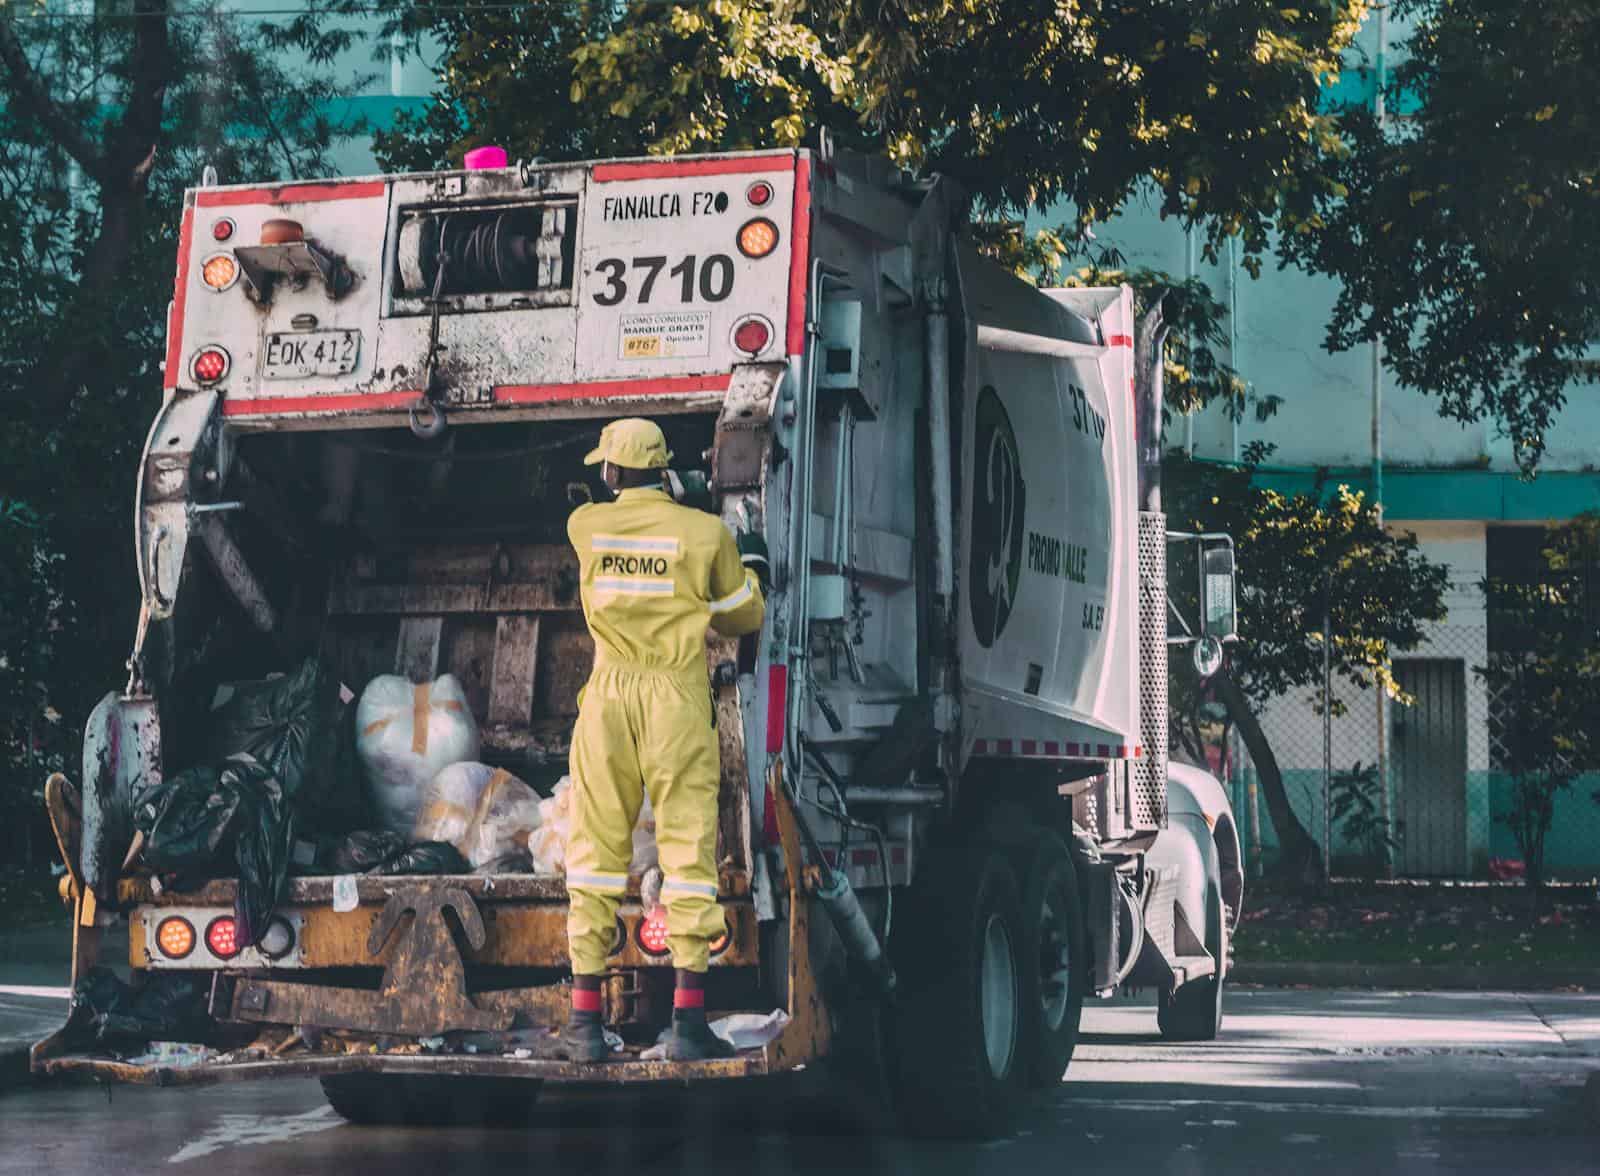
[[1299, 857]]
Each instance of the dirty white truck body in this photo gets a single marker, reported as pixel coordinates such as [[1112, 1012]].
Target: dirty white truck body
[[966, 636]]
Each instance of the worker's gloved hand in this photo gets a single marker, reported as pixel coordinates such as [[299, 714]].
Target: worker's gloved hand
[[753, 553]]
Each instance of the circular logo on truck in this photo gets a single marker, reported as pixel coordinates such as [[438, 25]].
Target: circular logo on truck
[[998, 497]]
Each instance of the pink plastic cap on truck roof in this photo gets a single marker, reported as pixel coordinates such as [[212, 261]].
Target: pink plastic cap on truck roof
[[484, 157]]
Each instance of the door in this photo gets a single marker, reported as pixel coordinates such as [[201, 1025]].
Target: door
[[1430, 766]]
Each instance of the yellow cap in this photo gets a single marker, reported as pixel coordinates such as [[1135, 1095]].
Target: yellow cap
[[632, 442]]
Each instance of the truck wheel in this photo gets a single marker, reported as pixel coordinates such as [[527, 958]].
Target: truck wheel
[[1194, 1012], [393, 1100], [1054, 962], [958, 1026]]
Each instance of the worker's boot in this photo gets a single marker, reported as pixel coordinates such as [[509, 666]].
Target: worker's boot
[[582, 1038], [692, 1039]]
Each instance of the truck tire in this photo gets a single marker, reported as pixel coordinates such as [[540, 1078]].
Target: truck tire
[[957, 1028], [1194, 1011], [1054, 962], [395, 1100]]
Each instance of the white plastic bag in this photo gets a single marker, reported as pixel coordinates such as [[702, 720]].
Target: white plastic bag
[[405, 735], [548, 845], [486, 813]]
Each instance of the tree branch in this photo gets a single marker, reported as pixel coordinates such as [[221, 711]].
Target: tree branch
[[31, 94], [139, 130]]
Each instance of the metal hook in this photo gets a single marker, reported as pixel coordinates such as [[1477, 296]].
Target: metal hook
[[436, 421]]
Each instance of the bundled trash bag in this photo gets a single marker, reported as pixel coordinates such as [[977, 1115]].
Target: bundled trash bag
[[168, 1006], [298, 725], [356, 853], [405, 735], [425, 857], [213, 821], [486, 813]]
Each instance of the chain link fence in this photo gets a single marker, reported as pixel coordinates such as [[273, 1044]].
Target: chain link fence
[[1418, 789]]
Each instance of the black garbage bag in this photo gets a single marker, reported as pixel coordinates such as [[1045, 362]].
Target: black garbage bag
[[214, 821], [300, 728], [168, 1006], [426, 857], [358, 852]]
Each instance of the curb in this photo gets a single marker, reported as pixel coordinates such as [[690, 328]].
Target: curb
[[1422, 976]]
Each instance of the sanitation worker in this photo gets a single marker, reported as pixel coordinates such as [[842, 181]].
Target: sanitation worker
[[653, 575]]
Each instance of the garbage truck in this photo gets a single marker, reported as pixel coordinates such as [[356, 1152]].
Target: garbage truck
[[947, 811]]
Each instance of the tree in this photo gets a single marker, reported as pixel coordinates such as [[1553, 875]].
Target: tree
[[1544, 676], [1297, 553], [1464, 235], [104, 120], [1214, 107]]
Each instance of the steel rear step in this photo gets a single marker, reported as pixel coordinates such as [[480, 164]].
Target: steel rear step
[[257, 1062]]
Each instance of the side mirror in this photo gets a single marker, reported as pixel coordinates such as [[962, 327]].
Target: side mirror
[[1218, 615]]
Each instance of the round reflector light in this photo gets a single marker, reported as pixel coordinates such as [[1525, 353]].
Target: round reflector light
[[758, 237], [220, 271], [752, 334], [281, 231], [759, 193], [722, 942], [653, 933], [222, 937], [222, 228], [277, 940], [210, 365], [175, 937]]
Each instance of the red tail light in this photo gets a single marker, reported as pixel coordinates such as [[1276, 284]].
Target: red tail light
[[209, 365], [752, 335], [653, 933], [759, 194], [222, 228], [222, 937]]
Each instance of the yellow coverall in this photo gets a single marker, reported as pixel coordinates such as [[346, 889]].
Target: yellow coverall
[[653, 576]]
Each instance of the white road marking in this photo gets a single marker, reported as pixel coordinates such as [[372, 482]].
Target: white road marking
[[1305, 1108], [249, 1130], [37, 990]]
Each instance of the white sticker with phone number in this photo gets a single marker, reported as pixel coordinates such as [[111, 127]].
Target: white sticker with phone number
[[666, 334]]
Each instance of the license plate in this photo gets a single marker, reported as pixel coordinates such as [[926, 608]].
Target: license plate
[[297, 354]]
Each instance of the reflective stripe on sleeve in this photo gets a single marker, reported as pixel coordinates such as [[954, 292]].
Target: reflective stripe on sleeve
[[737, 597], [653, 544], [633, 586], [674, 886], [599, 883]]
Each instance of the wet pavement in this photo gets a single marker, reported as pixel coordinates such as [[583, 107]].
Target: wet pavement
[[1305, 1081]]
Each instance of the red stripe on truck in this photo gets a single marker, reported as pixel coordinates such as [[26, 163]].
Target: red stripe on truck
[[1119, 341], [180, 292], [356, 402], [654, 169], [799, 258], [604, 389], [288, 194], [504, 394]]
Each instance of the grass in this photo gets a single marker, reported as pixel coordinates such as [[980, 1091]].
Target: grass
[[1371, 924]]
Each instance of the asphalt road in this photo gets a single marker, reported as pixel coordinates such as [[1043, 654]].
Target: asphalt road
[[1302, 1081]]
